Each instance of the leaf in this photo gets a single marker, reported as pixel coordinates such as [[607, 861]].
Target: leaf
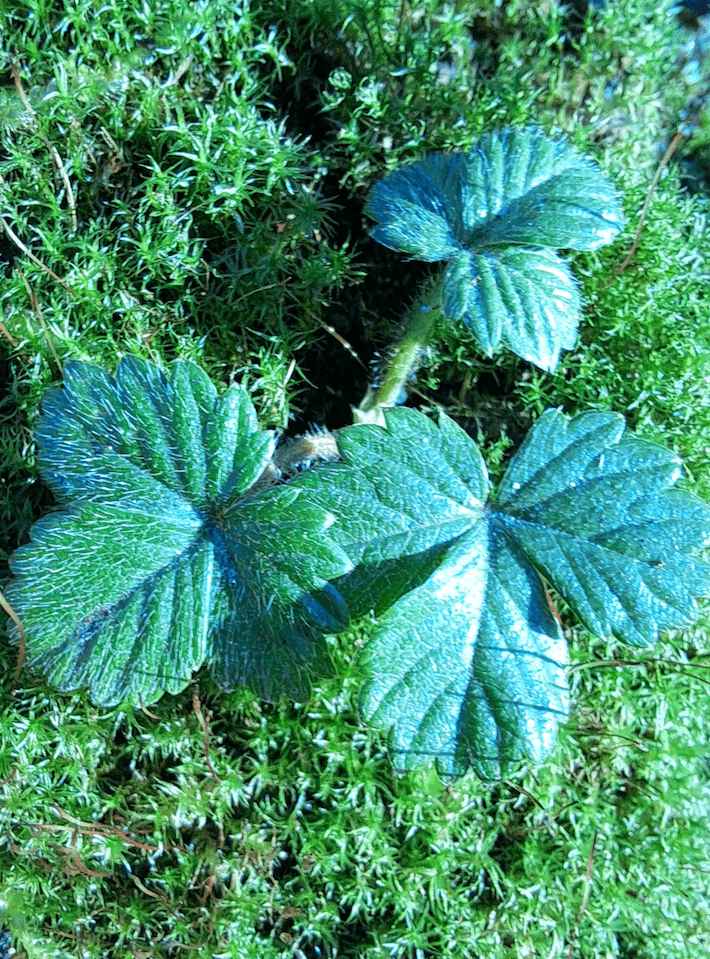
[[593, 510], [157, 561], [469, 667], [526, 300], [485, 212], [467, 663]]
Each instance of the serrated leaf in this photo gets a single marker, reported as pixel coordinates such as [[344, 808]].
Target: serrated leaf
[[467, 663], [485, 212], [593, 510], [157, 564], [526, 300]]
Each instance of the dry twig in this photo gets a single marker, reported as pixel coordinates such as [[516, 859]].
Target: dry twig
[[654, 182], [21, 652], [18, 243], [197, 706], [585, 895], [52, 149], [38, 313]]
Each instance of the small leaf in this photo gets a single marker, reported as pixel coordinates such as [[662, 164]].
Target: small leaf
[[526, 300], [158, 562], [466, 663], [485, 212]]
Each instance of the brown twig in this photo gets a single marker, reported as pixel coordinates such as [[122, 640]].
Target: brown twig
[[52, 149], [343, 342], [524, 792], [585, 896], [196, 705], [18, 243], [8, 336], [21, 652], [74, 866], [9, 778], [654, 182], [261, 289], [148, 892], [179, 73], [145, 709], [99, 829], [38, 313]]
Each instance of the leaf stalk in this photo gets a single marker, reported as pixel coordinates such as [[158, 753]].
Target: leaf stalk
[[407, 356]]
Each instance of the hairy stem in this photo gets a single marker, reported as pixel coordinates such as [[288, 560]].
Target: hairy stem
[[406, 358]]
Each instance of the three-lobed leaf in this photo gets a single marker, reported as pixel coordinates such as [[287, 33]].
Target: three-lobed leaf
[[157, 562], [467, 662], [494, 215]]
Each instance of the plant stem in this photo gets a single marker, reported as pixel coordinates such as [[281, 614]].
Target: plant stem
[[406, 358]]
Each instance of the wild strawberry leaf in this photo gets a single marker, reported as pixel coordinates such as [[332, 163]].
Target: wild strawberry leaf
[[467, 662], [594, 510], [157, 560], [526, 300], [485, 212]]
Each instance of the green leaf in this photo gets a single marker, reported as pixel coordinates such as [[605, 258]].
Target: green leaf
[[158, 561], [593, 510], [526, 300], [469, 667], [521, 187], [485, 212], [467, 662]]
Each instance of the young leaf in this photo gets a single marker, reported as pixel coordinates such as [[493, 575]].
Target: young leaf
[[157, 561], [467, 662], [484, 213], [526, 300]]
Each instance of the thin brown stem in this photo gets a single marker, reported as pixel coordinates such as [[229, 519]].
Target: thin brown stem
[[38, 313], [585, 895], [654, 182], [52, 149], [28, 253], [21, 630]]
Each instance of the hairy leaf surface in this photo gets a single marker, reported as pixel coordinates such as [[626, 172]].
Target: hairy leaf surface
[[467, 662], [485, 212], [157, 562], [593, 509], [526, 300]]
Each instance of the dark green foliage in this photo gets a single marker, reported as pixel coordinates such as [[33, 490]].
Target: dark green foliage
[[168, 555], [158, 563], [486, 213]]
